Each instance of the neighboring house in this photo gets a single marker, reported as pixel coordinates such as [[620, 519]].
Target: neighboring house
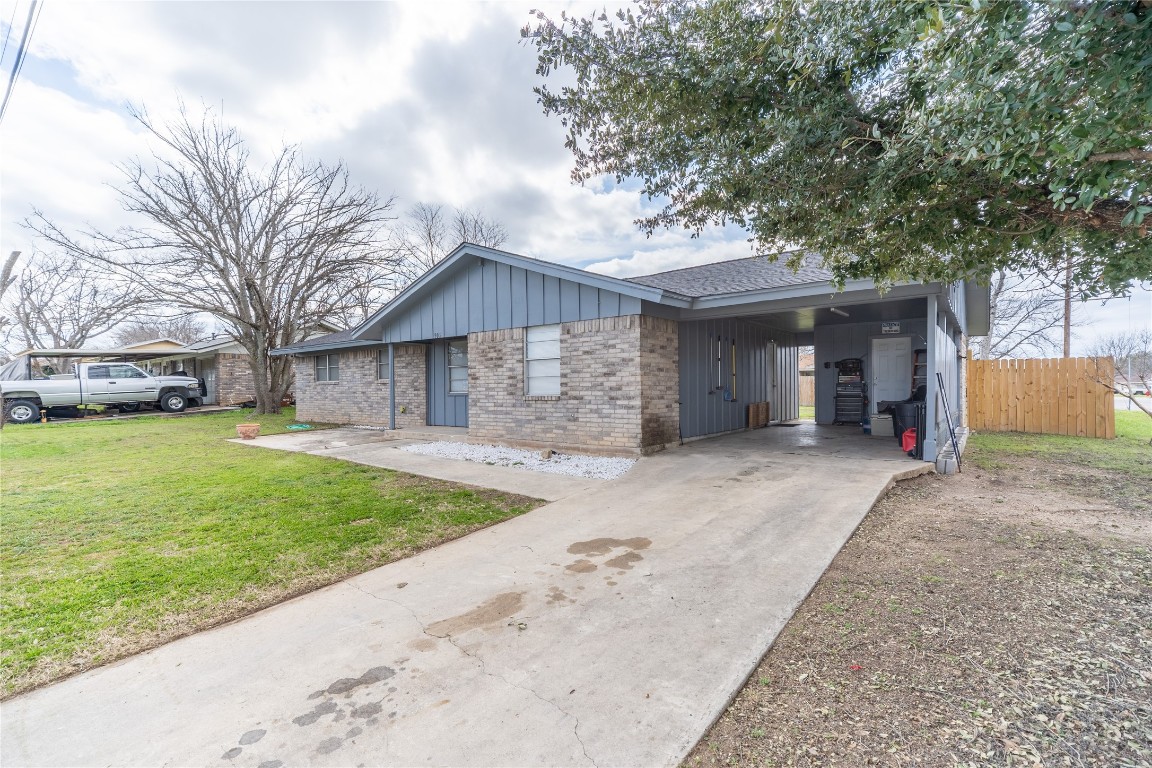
[[220, 362], [153, 345], [523, 351]]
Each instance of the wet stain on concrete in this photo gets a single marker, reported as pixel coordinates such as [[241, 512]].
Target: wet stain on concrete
[[491, 611], [581, 566], [252, 736], [315, 694], [330, 745], [353, 732], [374, 675], [556, 595], [324, 708], [367, 710], [441, 703], [234, 752], [624, 561], [271, 764], [604, 546], [612, 583], [422, 644]]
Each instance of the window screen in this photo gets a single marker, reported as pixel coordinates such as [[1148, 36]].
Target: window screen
[[542, 360], [382, 371], [328, 368], [458, 367]]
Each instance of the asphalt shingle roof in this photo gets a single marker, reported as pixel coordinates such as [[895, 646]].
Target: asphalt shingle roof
[[755, 273], [326, 339]]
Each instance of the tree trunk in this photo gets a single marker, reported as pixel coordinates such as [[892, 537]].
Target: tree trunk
[[1068, 306]]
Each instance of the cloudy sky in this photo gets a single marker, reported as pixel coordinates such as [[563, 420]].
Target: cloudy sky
[[426, 101]]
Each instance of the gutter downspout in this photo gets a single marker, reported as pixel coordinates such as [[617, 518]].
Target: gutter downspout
[[391, 385]]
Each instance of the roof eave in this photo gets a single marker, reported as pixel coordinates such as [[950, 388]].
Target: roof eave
[[307, 350]]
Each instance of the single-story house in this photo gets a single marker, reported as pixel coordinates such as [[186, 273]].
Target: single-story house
[[527, 352], [220, 362]]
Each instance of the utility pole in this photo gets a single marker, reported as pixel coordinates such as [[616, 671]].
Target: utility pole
[[1068, 305]]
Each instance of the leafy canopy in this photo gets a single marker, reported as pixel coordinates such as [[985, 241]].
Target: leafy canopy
[[902, 140]]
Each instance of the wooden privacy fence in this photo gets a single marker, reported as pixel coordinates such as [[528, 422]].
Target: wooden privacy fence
[[1052, 396], [807, 390]]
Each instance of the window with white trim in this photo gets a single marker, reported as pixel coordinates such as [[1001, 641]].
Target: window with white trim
[[542, 360], [383, 372], [327, 367], [458, 367]]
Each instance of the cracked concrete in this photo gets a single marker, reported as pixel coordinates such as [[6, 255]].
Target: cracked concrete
[[498, 652]]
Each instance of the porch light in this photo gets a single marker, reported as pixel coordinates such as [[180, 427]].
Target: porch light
[[838, 311]]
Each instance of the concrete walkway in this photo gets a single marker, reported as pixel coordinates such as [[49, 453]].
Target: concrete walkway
[[609, 628], [382, 449]]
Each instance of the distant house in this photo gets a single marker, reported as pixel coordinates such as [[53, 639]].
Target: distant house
[[153, 345], [523, 351], [222, 364]]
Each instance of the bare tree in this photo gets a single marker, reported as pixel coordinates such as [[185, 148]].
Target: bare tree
[[427, 234], [270, 252], [1026, 315], [1131, 351], [182, 328], [60, 301]]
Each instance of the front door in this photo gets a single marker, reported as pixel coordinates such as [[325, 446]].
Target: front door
[[891, 369], [448, 383]]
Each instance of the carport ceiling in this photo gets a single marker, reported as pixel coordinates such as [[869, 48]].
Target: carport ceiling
[[806, 319]]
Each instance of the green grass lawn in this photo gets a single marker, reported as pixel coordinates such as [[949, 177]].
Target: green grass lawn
[[118, 535], [1128, 453], [808, 412]]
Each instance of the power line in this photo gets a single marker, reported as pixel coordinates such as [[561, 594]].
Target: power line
[[8, 34], [21, 55]]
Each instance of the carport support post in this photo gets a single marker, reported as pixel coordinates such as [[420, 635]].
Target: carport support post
[[930, 396], [391, 385]]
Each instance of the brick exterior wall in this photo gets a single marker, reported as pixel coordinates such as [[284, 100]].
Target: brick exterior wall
[[659, 381], [359, 397], [233, 379], [619, 387]]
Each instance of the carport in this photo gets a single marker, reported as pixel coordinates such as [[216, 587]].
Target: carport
[[904, 336]]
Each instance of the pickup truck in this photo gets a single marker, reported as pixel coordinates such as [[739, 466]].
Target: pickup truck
[[116, 385]]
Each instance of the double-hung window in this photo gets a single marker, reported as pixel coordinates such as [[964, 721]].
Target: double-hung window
[[383, 372], [327, 367], [458, 367], [542, 360]]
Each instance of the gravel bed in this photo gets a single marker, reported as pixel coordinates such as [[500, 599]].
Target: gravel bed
[[601, 467]]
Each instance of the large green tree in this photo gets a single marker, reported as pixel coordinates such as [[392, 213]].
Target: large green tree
[[900, 139]]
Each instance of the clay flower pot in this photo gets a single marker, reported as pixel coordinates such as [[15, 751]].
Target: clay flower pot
[[248, 431]]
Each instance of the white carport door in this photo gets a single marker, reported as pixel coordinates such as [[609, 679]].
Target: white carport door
[[891, 370]]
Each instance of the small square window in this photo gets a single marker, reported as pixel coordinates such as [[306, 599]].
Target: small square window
[[542, 360], [328, 368]]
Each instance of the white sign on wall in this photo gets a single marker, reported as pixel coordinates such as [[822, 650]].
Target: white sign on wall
[[890, 327]]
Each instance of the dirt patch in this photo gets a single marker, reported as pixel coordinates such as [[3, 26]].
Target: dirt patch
[[997, 617]]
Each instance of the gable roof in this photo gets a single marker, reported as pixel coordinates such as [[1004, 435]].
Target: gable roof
[[374, 324], [755, 273]]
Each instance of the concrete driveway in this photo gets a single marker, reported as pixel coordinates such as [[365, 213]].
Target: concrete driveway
[[608, 628]]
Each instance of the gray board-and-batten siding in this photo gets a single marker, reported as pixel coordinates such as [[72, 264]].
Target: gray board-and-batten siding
[[444, 408], [766, 364], [487, 295], [845, 340]]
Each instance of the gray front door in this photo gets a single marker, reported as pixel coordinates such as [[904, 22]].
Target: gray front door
[[448, 383]]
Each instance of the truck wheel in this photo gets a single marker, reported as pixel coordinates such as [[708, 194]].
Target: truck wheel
[[23, 412], [173, 402], [128, 407]]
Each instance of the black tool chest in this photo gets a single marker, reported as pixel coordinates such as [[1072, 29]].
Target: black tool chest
[[851, 391]]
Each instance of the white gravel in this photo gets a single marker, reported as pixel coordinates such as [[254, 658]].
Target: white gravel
[[601, 467]]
